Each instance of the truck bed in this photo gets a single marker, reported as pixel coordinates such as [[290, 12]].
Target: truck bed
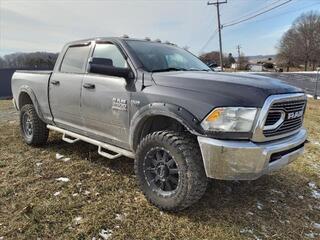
[[35, 83]]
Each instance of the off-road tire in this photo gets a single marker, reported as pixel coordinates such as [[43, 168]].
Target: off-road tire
[[185, 150], [39, 135]]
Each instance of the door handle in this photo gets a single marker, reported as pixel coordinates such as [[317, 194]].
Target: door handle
[[89, 85], [55, 82]]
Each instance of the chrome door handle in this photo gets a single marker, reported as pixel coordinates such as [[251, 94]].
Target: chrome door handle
[[89, 85], [55, 82]]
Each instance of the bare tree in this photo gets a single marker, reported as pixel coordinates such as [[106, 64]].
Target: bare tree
[[287, 54], [243, 62], [301, 43]]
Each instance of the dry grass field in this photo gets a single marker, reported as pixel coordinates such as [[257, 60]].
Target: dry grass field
[[85, 196]]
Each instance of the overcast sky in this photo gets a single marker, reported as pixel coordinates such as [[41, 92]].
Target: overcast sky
[[40, 25]]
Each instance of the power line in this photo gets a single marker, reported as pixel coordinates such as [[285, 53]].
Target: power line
[[287, 12], [209, 40], [253, 12], [258, 14]]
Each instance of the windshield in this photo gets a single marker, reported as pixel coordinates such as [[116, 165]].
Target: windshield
[[159, 57]]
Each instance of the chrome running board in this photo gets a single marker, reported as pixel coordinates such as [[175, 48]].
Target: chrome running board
[[71, 137]]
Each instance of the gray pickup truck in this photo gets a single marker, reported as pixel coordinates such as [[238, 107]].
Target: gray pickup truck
[[162, 106]]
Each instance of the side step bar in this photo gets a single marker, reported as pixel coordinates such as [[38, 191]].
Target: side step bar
[[71, 137]]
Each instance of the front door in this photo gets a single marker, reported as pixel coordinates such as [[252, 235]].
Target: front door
[[65, 88], [105, 99]]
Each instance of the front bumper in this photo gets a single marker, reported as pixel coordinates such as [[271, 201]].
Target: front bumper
[[246, 160]]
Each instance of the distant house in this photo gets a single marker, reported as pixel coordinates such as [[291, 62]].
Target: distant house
[[256, 67]]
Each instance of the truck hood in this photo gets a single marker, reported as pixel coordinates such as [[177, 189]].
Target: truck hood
[[240, 89]]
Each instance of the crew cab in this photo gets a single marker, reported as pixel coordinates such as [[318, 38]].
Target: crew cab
[[160, 105]]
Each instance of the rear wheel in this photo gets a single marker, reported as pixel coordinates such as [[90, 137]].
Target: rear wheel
[[33, 130], [170, 170]]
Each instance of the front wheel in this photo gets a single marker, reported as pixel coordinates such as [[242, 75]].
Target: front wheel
[[170, 170], [33, 130]]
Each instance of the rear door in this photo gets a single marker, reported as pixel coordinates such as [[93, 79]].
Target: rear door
[[65, 87], [105, 99]]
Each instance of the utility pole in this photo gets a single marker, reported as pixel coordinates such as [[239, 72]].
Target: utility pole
[[217, 3], [239, 63]]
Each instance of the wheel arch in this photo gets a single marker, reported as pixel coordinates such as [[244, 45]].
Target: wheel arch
[[163, 113], [27, 96]]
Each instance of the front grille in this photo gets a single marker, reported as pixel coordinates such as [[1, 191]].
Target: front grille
[[272, 118], [293, 118]]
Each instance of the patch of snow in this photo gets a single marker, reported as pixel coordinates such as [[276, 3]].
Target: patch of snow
[[119, 217], [59, 156], [246, 230], [273, 201], [77, 220], [75, 194], [311, 96], [257, 238], [315, 194], [66, 159], [312, 185], [1, 238], [56, 194], [259, 205], [38, 164], [310, 235], [317, 207], [277, 192], [249, 213], [300, 197], [316, 226], [63, 179], [86, 192], [161, 213], [105, 234], [316, 143]]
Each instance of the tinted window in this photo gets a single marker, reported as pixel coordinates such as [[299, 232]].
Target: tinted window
[[110, 51], [159, 56], [75, 59]]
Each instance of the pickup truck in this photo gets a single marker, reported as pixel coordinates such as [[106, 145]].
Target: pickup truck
[[160, 105]]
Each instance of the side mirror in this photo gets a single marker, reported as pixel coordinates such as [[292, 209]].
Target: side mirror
[[105, 66]]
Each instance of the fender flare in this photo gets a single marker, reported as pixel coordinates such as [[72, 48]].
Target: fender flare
[[26, 89], [183, 116]]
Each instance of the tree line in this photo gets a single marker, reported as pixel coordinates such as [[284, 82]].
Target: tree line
[[300, 45], [41, 60]]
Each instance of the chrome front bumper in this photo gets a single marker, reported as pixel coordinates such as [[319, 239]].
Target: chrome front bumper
[[246, 160]]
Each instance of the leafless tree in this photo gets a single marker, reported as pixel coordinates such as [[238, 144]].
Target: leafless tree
[[301, 43], [243, 62]]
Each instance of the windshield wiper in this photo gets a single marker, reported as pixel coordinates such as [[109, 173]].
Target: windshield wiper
[[169, 69]]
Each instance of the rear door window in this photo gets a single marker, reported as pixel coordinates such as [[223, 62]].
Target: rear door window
[[75, 59]]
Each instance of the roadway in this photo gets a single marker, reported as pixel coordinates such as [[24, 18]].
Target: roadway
[[304, 80]]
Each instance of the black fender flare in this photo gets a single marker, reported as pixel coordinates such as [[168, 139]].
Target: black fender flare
[[26, 89], [183, 116]]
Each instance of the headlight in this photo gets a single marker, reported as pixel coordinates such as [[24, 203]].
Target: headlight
[[230, 119]]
